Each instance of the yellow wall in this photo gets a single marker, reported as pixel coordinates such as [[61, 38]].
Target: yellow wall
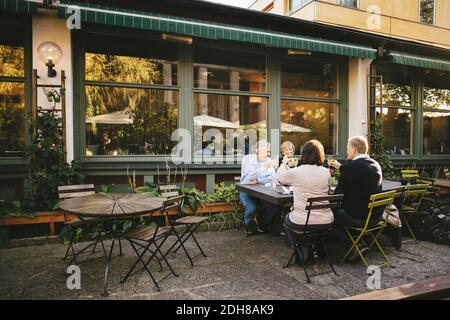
[[399, 18]]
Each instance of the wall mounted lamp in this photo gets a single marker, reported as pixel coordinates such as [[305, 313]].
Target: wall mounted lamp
[[50, 53]]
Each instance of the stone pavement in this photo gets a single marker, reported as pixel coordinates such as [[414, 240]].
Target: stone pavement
[[236, 268]]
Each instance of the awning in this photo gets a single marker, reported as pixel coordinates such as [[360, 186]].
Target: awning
[[200, 28], [19, 6], [421, 62]]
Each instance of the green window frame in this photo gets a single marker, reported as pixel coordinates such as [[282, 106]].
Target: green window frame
[[24, 25], [79, 49], [340, 100], [187, 90]]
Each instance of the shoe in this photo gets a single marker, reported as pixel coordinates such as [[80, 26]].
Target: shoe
[[259, 226], [363, 247], [250, 229]]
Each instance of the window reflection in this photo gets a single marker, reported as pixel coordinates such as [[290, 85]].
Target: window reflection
[[233, 113], [127, 121], [228, 70], [11, 61], [436, 116], [114, 68], [308, 79], [302, 121], [397, 124]]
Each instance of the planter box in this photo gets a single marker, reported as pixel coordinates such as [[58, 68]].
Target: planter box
[[51, 217]]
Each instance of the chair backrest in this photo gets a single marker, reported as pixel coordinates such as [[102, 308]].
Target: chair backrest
[[172, 203], [75, 191], [325, 202], [415, 193], [410, 174], [380, 200], [169, 191], [447, 173]]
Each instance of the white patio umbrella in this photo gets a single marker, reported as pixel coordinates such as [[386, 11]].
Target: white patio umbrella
[[208, 121], [118, 117], [285, 127]]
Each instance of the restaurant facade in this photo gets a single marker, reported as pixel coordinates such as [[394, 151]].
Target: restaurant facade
[[142, 78]]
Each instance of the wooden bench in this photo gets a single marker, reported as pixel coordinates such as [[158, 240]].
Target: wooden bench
[[435, 288]]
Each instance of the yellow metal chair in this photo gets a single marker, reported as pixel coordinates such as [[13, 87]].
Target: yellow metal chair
[[356, 234], [447, 173], [410, 175], [412, 199]]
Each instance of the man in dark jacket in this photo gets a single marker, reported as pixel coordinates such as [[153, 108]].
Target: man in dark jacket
[[359, 178]]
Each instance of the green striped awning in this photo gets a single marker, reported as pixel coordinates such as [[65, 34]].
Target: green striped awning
[[421, 62], [19, 6], [201, 28]]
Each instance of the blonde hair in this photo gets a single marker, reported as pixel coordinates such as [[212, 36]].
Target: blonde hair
[[359, 143], [286, 144]]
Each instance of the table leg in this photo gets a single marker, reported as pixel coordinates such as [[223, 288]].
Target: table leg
[[107, 262]]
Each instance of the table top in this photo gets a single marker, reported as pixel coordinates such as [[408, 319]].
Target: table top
[[443, 183], [276, 196], [268, 194], [112, 205]]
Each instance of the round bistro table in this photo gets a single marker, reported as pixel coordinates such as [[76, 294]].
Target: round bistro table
[[110, 207]]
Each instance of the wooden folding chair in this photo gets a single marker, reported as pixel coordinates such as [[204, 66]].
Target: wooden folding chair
[[412, 199], [356, 234], [75, 191], [307, 236], [149, 240]]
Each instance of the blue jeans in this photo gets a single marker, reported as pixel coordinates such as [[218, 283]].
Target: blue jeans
[[251, 205]]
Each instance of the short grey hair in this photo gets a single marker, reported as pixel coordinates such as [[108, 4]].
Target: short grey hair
[[261, 144], [359, 143]]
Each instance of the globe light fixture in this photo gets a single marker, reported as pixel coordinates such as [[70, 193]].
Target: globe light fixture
[[50, 53]]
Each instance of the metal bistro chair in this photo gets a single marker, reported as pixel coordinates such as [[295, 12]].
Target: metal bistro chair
[[410, 175], [357, 233], [190, 222], [76, 191], [447, 173], [149, 239], [414, 194], [307, 237]]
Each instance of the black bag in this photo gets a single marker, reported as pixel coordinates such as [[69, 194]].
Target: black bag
[[442, 233], [425, 225]]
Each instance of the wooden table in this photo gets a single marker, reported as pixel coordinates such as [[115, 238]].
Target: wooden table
[[109, 208], [441, 183]]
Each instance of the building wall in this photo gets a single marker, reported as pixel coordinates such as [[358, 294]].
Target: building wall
[[46, 26], [398, 18]]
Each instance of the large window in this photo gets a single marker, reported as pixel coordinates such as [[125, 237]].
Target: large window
[[131, 98], [229, 98], [12, 95], [426, 14], [302, 119], [398, 109], [436, 114]]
